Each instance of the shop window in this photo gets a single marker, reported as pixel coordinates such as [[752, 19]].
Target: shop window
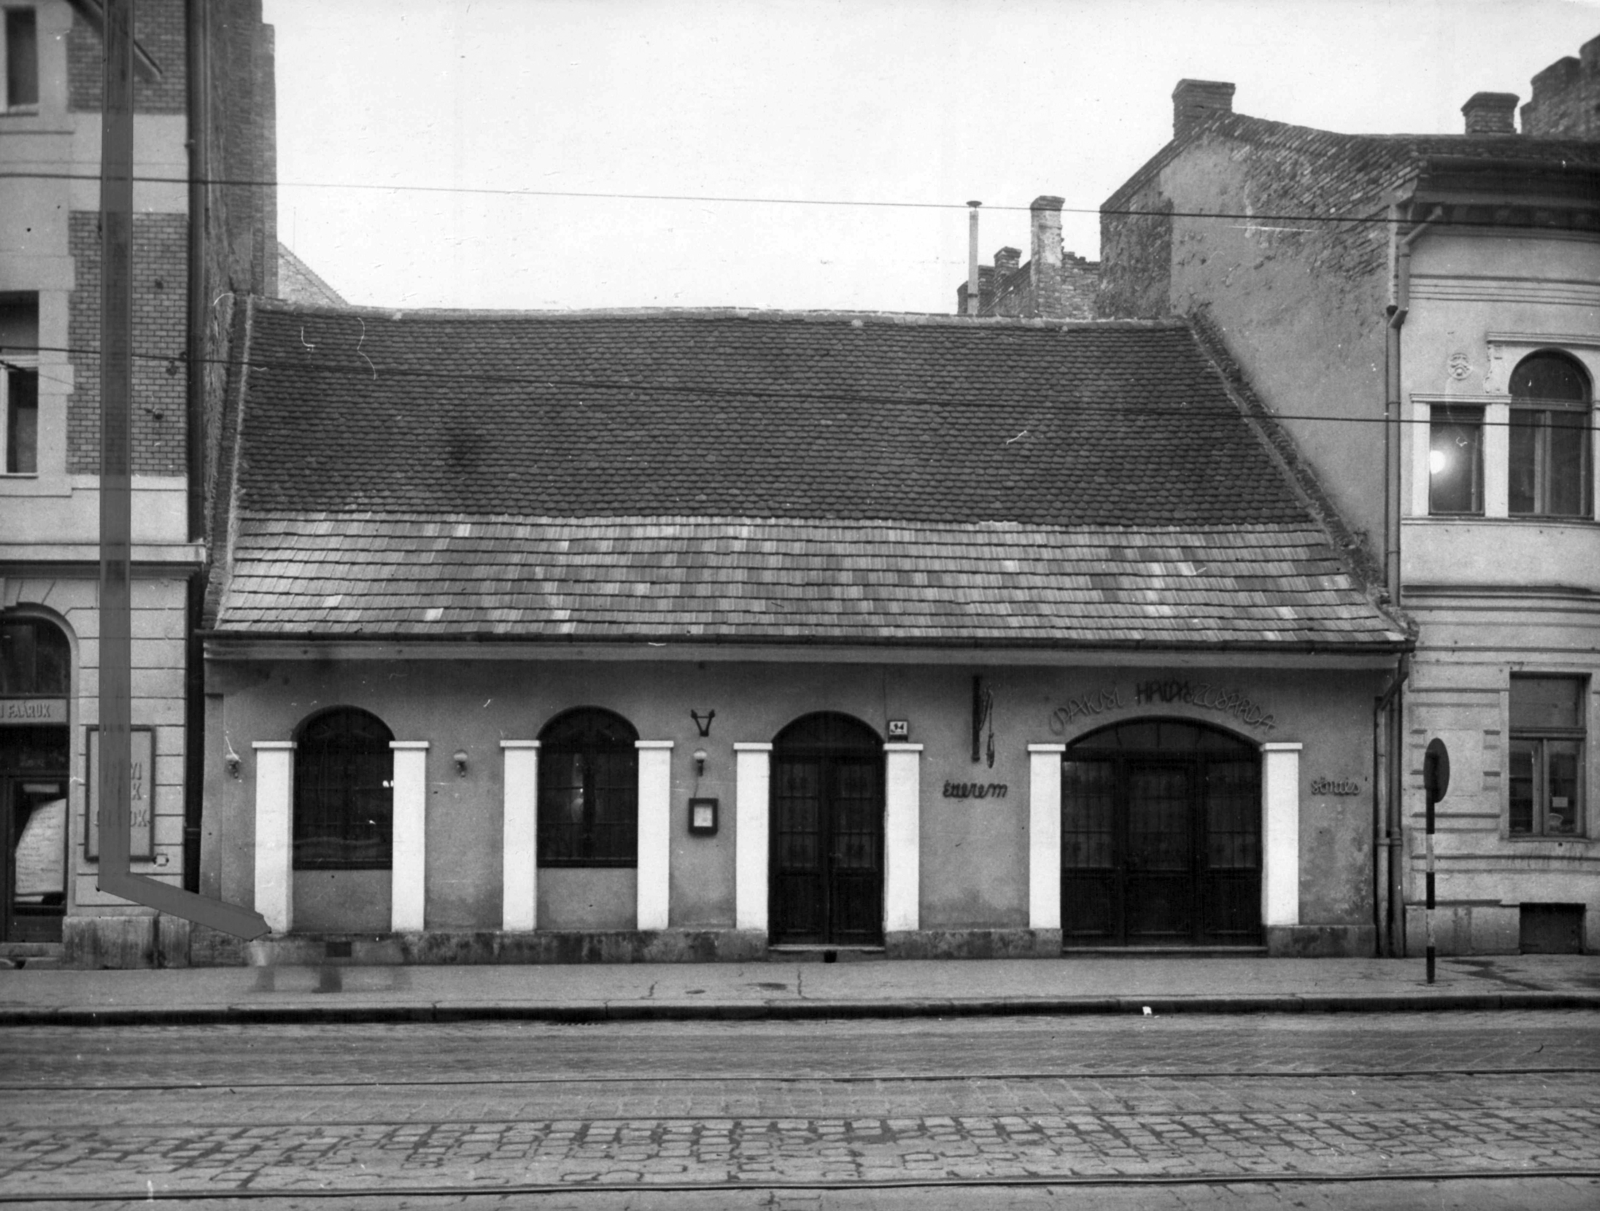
[[588, 790], [35, 658], [1547, 744], [343, 792], [19, 384], [1550, 438], [21, 60], [1455, 461]]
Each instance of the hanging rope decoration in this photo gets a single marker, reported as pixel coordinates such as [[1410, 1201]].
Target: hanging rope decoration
[[982, 715]]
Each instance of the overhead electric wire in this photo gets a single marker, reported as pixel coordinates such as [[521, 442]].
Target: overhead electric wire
[[1380, 215], [368, 373]]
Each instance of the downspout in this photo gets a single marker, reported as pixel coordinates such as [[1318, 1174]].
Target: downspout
[[1393, 700], [1385, 837], [199, 105], [199, 119]]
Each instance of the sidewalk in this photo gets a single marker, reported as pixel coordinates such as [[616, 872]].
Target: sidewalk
[[789, 990]]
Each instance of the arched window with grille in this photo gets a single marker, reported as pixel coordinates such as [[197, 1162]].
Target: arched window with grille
[[343, 792], [588, 790], [1551, 439]]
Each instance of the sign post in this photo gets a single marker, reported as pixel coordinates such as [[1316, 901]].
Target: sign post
[[1435, 783]]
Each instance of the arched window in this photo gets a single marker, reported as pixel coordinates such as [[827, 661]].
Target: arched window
[[35, 658], [588, 790], [343, 794], [1550, 438]]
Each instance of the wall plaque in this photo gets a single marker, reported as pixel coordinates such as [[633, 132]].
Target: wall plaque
[[141, 784]]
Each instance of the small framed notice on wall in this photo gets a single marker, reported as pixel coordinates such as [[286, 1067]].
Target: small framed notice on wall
[[142, 788], [703, 816]]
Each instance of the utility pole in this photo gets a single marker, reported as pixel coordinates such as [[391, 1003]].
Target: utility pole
[[116, 504]]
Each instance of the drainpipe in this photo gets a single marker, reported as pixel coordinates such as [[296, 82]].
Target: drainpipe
[[199, 104], [1385, 834], [1394, 703]]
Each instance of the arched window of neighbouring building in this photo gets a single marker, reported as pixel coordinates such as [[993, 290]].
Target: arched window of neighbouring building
[[1550, 438], [343, 792], [588, 790]]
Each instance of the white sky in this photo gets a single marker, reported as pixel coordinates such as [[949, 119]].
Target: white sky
[[919, 101]]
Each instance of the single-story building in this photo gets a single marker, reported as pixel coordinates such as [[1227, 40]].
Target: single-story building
[[687, 634]]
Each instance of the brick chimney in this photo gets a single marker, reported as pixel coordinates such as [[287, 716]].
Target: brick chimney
[[1045, 254], [1491, 114], [1005, 264], [1194, 99]]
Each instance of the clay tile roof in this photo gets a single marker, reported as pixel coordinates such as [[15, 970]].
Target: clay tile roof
[[1337, 173], [762, 476]]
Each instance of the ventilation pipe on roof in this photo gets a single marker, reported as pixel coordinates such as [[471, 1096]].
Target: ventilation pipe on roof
[[972, 260]]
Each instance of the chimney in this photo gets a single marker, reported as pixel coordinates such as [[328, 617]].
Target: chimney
[[1005, 264], [1491, 114], [973, 292], [1192, 100], [1566, 97], [1045, 256]]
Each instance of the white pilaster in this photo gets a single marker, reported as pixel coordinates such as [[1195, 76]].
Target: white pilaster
[[1497, 460], [655, 833], [407, 883], [1280, 833], [275, 833], [519, 847], [902, 837], [753, 787], [1044, 835]]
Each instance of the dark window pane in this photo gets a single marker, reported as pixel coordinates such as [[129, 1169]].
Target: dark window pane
[[1522, 785], [22, 58], [343, 800], [1455, 461], [35, 658], [1568, 464], [1524, 476], [1549, 376], [588, 791], [22, 421], [1563, 759], [1546, 702]]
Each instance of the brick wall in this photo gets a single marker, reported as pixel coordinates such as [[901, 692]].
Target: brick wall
[[158, 27], [1566, 97], [159, 261]]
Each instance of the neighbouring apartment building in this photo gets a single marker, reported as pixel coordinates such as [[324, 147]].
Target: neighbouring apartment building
[[1422, 314], [203, 114], [1053, 284], [725, 634]]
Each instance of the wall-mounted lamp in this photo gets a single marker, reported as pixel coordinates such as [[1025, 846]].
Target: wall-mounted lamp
[[699, 762], [460, 758], [230, 758]]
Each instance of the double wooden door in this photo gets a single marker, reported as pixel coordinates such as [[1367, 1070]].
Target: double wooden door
[[826, 873], [1161, 846]]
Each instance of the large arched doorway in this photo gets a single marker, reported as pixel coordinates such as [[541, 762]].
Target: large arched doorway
[[826, 883], [35, 674], [1161, 837]]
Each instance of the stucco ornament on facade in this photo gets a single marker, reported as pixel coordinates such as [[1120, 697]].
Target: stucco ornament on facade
[[1459, 365]]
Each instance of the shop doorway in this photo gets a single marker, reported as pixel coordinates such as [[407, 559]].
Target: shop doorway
[[1161, 837], [33, 819], [827, 834]]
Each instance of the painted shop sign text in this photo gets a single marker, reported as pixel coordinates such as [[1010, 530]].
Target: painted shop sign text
[[1203, 694], [1332, 786], [976, 790]]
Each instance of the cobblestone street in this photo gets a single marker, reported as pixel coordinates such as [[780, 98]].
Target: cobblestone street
[[465, 1110]]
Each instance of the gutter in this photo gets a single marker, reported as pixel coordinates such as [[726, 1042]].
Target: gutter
[[1386, 837]]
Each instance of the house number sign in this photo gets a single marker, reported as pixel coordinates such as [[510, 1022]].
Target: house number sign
[[1203, 694]]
